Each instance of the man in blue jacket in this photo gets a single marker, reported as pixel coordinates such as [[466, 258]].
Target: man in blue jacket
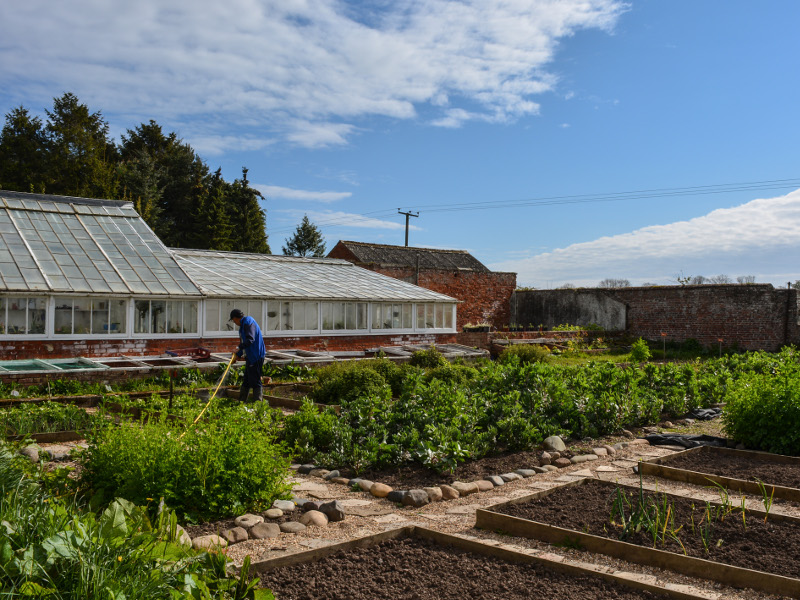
[[254, 351]]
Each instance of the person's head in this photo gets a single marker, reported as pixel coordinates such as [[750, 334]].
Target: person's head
[[237, 316]]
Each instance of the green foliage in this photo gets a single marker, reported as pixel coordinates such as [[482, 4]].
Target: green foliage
[[52, 547], [524, 353], [428, 359], [341, 382], [567, 327], [220, 467], [47, 417], [763, 408], [306, 241], [640, 351]]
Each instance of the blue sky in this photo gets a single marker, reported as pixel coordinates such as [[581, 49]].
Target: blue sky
[[522, 131]]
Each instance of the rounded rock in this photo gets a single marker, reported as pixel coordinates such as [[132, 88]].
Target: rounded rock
[[181, 537], [292, 527], [484, 486], [234, 535], [311, 505], [333, 510], [318, 472], [274, 513], [248, 520], [545, 458], [365, 484], [264, 531], [508, 477], [209, 542], [331, 474], [434, 493], [525, 472], [465, 489], [380, 490], [284, 505], [396, 496], [416, 498], [495, 480], [562, 462], [314, 518], [554, 443], [449, 492]]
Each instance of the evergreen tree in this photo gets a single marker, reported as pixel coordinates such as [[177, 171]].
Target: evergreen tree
[[247, 217], [215, 224], [180, 170], [141, 180], [23, 153], [81, 157], [306, 241]]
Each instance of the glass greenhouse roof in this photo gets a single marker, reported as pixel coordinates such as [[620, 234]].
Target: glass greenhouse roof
[[230, 274], [63, 245]]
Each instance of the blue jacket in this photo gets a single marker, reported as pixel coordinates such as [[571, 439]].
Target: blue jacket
[[252, 345]]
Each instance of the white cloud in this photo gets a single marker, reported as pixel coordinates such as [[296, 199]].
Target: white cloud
[[298, 70], [761, 237], [326, 219], [274, 191]]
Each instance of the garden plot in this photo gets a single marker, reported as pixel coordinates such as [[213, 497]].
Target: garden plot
[[415, 562], [740, 470], [716, 541]]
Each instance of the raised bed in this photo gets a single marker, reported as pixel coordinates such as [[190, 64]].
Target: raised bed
[[414, 562], [578, 514], [778, 472]]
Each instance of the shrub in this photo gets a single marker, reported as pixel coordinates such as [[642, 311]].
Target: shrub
[[763, 411], [640, 351], [525, 353], [428, 359], [220, 468], [342, 382]]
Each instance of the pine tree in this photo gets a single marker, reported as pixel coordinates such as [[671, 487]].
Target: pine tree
[[306, 241], [216, 225], [23, 153], [81, 157], [247, 217]]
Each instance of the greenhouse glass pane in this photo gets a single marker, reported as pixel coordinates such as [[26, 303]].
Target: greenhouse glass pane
[[312, 315], [273, 318], [407, 316], [377, 317], [17, 315], [286, 316], [420, 316], [338, 315], [190, 317], [141, 316], [99, 316], [440, 315], [37, 313], [158, 316], [448, 316], [350, 315], [430, 321], [174, 316], [212, 315], [62, 318], [327, 316], [117, 317]]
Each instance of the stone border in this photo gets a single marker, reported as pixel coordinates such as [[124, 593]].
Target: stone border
[[551, 461]]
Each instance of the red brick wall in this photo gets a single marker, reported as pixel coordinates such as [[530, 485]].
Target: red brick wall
[[485, 296], [754, 317], [27, 349]]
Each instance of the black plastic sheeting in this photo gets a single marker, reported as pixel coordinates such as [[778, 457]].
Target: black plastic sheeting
[[686, 440]]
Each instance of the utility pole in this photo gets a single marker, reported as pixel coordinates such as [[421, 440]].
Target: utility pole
[[407, 214]]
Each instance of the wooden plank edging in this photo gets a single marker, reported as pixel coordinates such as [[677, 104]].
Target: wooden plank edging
[[687, 565], [474, 546]]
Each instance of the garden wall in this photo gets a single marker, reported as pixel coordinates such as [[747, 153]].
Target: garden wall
[[27, 349], [752, 317]]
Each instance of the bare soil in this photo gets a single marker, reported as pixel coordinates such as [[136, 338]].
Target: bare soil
[[413, 569], [772, 546], [738, 467]]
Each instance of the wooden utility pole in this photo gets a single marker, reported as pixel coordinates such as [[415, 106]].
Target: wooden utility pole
[[407, 214]]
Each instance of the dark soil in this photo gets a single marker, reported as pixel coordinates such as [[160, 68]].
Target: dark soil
[[773, 546], [414, 569], [415, 475], [738, 467]]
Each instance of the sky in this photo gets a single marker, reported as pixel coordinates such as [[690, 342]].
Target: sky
[[569, 141]]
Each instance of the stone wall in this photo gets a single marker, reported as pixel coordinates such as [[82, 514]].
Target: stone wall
[[752, 317]]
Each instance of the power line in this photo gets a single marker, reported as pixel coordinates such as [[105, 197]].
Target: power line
[[702, 190]]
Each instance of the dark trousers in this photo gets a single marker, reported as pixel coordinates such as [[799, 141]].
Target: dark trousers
[[252, 379]]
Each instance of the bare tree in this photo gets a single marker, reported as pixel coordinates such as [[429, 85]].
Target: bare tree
[[566, 286], [648, 284], [614, 283], [698, 280], [720, 279], [746, 279]]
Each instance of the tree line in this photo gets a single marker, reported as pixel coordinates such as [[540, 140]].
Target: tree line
[[185, 203]]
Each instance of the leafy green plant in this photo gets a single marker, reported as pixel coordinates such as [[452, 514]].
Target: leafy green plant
[[525, 353], [47, 417], [428, 359], [640, 351], [220, 467]]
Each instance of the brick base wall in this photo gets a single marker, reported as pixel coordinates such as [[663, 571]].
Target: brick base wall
[[27, 349]]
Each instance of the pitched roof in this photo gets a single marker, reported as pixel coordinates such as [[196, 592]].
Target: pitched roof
[[60, 244], [238, 274], [402, 256]]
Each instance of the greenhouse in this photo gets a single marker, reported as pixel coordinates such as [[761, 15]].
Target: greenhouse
[[88, 276]]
